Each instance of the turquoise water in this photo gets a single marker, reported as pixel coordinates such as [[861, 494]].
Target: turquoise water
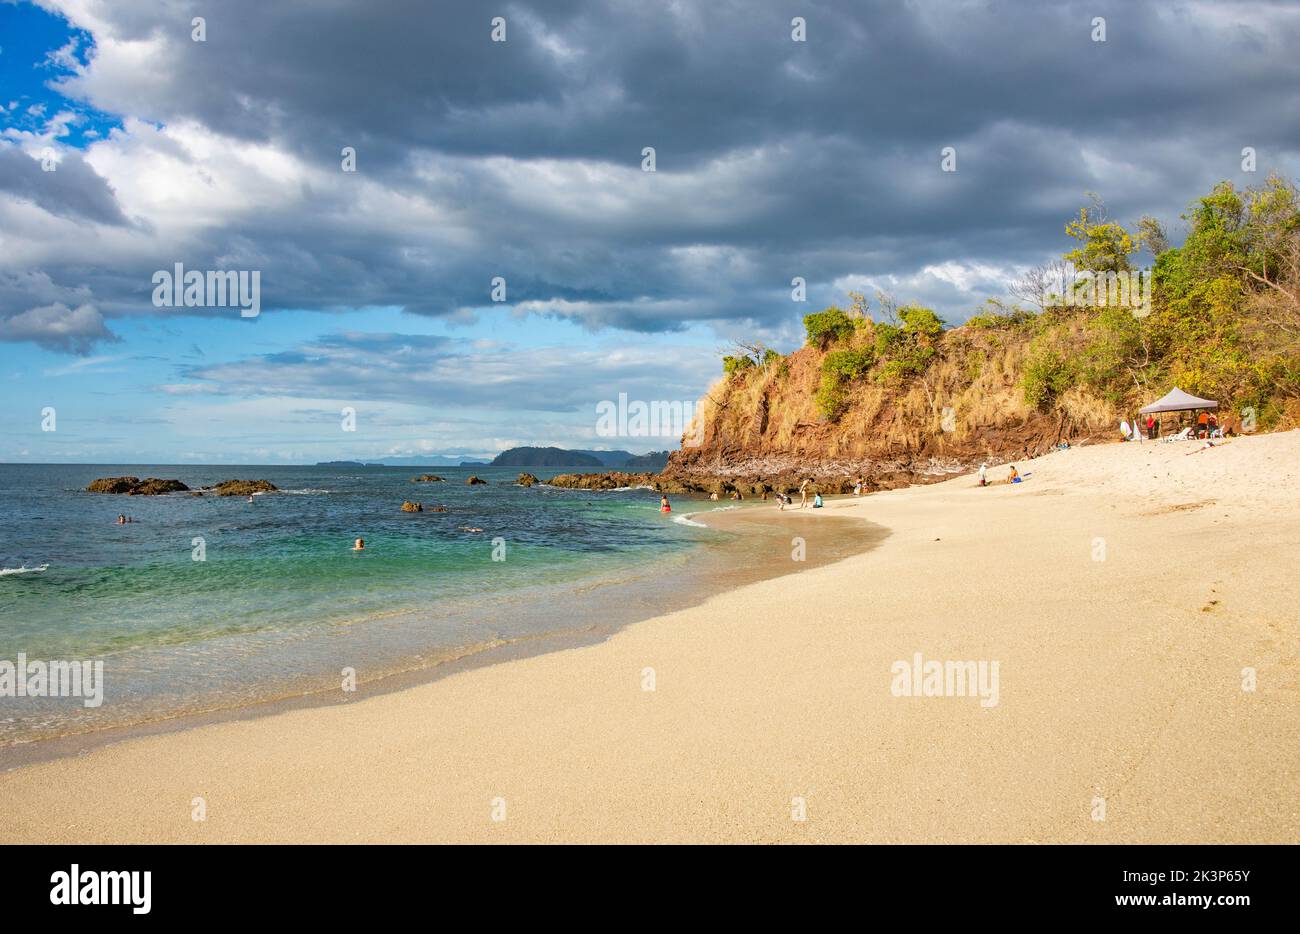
[[280, 600]]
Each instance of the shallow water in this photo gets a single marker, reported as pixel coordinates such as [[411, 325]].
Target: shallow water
[[280, 605]]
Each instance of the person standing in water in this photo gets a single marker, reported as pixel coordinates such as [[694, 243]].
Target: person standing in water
[[663, 504]]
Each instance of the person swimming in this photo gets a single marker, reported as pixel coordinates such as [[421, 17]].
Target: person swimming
[[359, 546], [121, 520], [663, 504]]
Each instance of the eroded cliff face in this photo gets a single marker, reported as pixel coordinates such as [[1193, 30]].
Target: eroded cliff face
[[762, 429]]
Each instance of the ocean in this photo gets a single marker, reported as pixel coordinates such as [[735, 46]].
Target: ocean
[[207, 606], [280, 604]]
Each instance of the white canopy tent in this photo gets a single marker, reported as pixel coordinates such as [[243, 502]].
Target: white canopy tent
[[1178, 401]]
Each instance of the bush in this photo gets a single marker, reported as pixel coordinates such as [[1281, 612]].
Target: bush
[[827, 327], [831, 398], [1047, 375], [732, 365], [840, 367], [849, 364]]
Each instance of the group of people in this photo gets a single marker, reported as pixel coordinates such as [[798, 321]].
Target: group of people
[[1206, 426], [124, 519], [1012, 477]]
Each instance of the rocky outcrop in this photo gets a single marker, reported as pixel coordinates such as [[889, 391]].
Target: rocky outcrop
[[439, 509], [427, 478], [475, 481], [134, 486], [612, 480], [243, 487], [527, 479], [408, 506]]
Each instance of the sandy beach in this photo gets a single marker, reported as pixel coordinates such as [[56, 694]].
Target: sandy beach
[[1122, 591]]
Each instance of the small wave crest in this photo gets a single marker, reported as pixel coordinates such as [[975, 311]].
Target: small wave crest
[[23, 570], [685, 519]]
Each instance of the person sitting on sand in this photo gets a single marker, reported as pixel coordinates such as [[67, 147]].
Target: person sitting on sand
[[360, 545], [1015, 476], [663, 504], [817, 501]]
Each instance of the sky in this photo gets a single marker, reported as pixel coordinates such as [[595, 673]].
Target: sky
[[133, 139]]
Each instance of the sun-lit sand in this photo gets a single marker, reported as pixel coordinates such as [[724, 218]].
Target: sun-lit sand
[[1122, 589]]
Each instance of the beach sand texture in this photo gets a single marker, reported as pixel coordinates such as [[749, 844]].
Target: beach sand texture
[[1119, 679]]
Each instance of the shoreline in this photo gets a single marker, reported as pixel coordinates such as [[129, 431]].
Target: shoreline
[[1121, 683], [442, 663]]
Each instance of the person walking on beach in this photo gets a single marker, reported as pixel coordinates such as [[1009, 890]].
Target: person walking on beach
[[803, 493]]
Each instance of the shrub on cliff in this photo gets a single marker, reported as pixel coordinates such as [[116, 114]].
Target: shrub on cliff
[[839, 368], [736, 364], [827, 327], [1047, 375]]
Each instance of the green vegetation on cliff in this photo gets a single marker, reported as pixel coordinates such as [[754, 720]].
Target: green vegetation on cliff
[[1088, 339]]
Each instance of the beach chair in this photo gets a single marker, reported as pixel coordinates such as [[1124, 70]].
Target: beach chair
[[1187, 434]]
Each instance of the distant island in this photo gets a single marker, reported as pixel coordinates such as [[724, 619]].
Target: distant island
[[526, 457], [560, 457]]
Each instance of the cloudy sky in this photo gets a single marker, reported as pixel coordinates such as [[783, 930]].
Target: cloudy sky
[[523, 159]]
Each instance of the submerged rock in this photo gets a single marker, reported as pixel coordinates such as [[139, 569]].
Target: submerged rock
[[243, 487], [134, 486], [427, 478]]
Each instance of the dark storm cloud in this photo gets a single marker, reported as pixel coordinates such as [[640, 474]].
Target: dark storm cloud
[[775, 158], [70, 189]]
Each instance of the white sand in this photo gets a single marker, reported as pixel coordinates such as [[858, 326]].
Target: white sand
[[1120, 679]]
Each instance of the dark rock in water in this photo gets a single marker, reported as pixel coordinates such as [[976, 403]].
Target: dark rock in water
[[439, 509], [243, 487], [427, 478], [613, 480], [475, 481], [408, 506], [134, 486], [527, 479]]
